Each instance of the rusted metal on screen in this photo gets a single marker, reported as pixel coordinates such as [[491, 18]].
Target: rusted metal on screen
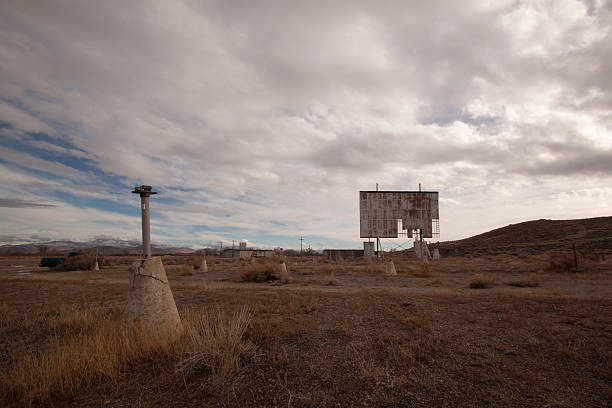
[[379, 212]]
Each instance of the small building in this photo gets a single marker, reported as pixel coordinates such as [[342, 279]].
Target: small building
[[246, 253], [339, 254]]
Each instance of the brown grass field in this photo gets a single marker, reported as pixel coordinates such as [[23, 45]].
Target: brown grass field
[[491, 331]]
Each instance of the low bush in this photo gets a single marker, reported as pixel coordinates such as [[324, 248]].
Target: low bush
[[264, 270], [84, 261], [480, 282]]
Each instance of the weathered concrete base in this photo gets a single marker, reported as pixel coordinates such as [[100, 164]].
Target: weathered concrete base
[[150, 304], [96, 267], [436, 253], [421, 250], [283, 274], [391, 269], [204, 267], [368, 249]]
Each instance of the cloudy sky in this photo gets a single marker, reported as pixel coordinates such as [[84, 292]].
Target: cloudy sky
[[261, 120]]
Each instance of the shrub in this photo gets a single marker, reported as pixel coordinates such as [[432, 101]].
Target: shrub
[[265, 270], [84, 261], [480, 282]]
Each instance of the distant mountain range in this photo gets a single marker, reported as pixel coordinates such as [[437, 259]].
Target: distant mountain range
[[105, 246]]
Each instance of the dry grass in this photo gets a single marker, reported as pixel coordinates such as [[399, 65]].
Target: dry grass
[[183, 270], [423, 271], [331, 279], [560, 263], [67, 364], [215, 342], [480, 282], [523, 283], [87, 346], [364, 342]]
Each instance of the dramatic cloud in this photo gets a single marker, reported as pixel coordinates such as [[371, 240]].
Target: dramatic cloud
[[262, 120]]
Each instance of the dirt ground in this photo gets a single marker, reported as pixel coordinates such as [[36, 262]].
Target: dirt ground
[[357, 338]]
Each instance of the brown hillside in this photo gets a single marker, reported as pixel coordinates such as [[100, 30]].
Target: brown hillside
[[591, 235]]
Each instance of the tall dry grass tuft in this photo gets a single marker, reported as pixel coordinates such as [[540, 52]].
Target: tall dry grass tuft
[[67, 364], [215, 342]]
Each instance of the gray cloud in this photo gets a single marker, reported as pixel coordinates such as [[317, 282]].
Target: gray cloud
[[17, 203]]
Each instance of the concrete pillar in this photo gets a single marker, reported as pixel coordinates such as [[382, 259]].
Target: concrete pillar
[[204, 267], [150, 304], [146, 226], [145, 192], [96, 267], [391, 268]]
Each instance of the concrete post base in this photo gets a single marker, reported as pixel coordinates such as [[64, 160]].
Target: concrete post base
[[204, 267], [391, 269], [150, 304], [436, 253], [283, 274]]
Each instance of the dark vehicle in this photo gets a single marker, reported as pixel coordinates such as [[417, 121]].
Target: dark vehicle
[[50, 262]]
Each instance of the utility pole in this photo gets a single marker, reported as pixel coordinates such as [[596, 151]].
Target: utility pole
[[145, 192], [301, 245]]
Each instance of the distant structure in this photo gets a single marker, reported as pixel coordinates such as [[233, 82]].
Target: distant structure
[[394, 214], [243, 245], [340, 254], [246, 253]]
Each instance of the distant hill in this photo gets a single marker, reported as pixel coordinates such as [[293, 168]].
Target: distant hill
[[106, 247], [532, 237]]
